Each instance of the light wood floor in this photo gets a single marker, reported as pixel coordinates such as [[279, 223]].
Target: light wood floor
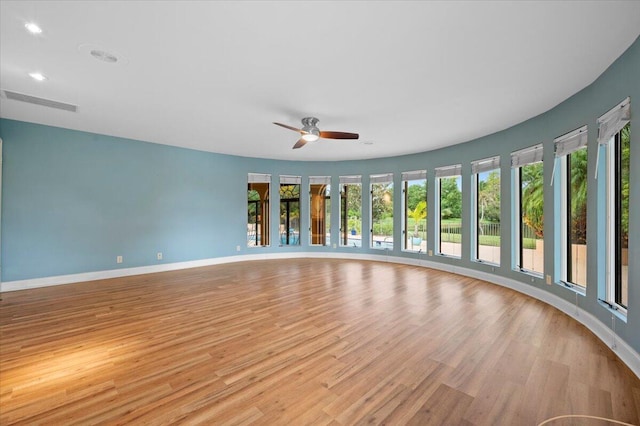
[[305, 341]]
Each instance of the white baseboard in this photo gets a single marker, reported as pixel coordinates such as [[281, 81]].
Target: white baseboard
[[620, 347]]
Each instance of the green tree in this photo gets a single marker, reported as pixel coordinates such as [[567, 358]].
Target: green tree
[[450, 198], [489, 197], [381, 200], [578, 163], [354, 201], [415, 194], [625, 142], [532, 187]]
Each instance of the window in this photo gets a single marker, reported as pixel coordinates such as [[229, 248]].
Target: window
[[258, 210], [449, 186], [350, 211], [486, 176], [320, 210], [614, 135], [382, 211], [289, 210], [528, 209], [570, 193], [414, 191]]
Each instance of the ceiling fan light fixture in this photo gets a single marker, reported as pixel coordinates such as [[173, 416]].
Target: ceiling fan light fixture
[[33, 28], [310, 137], [311, 133], [37, 76]]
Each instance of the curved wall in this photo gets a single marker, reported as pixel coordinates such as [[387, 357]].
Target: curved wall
[[73, 201]]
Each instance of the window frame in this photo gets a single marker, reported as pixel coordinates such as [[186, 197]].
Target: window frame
[[407, 177], [262, 218], [320, 181], [478, 167], [520, 159], [565, 147], [381, 179], [453, 171], [614, 279], [289, 237], [344, 230], [611, 126]]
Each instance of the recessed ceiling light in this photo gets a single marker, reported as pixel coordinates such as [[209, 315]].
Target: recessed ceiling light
[[33, 28], [368, 143], [37, 76], [104, 56]]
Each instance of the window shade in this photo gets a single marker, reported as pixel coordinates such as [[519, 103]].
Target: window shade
[[290, 180], [566, 144], [259, 178], [319, 180], [485, 165], [530, 155], [385, 178], [571, 142], [446, 171], [415, 175], [613, 121], [350, 179]]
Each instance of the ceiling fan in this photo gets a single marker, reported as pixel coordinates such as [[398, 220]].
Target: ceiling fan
[[310, 132]]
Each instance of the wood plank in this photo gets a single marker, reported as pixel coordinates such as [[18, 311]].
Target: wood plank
[[445, 406], [300, 341]]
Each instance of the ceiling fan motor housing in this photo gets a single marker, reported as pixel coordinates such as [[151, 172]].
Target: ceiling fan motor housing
[[310, 126]]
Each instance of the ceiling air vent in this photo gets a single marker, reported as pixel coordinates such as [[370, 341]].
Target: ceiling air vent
[[39, 101]]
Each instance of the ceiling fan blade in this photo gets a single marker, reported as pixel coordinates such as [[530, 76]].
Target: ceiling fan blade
[[299, 144], [338, 135], [288, 127]]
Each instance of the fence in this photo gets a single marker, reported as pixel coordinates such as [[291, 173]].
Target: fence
[[488, 234]]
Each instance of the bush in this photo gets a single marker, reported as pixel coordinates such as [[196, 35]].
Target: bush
[[383, 227]]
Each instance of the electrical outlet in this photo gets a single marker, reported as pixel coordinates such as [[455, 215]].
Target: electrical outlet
[[237, 248], [549, 279], [119, 259], [334, 245], [159, 255], [430, 252]]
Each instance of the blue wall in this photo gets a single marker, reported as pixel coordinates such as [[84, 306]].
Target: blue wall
[[73, 201]]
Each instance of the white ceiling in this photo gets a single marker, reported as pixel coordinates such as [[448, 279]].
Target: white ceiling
[[213, 76]]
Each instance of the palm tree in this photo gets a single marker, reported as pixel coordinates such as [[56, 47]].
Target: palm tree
[[532, 184], [417, 214], [578, 162]]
